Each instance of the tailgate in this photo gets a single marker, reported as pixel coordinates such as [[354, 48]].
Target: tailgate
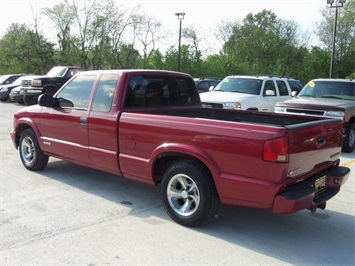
[[313, 147]]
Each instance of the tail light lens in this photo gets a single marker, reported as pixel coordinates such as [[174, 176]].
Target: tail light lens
[[276, 150]]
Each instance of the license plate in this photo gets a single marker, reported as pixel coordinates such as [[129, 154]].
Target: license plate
[[320, 184]]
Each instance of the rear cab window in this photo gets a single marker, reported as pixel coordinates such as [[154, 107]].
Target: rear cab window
[[151, 90]]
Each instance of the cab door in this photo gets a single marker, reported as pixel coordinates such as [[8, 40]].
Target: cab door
[[103, 125], [64, 128], [269, 96]]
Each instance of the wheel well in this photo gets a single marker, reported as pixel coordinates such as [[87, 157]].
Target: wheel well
[[20, 128], [166, 159]]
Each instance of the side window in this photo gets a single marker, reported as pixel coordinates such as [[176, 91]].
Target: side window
[[269, 86], [104, 93], [295, 85], [70, 73], [76, 94], [203, 85], [213, 83], [282, 88], [12, 79]]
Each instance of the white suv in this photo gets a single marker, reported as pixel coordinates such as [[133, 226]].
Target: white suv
[[258, 93]]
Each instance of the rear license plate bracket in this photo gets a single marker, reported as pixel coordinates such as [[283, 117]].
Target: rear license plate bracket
[[320, 184]]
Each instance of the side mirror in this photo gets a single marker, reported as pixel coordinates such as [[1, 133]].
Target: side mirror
[[46, 100], [64, 103], [270, 93]]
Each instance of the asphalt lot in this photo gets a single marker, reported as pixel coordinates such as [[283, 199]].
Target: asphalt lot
[[68, 214]]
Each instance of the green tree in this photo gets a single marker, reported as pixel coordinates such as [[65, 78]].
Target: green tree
[[262, 44], [344, 52], [315, 65], [148, 32], [22, 50], [156, 60], [62, 15]]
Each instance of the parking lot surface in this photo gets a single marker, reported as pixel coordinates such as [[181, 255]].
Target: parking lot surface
[[69, 214]]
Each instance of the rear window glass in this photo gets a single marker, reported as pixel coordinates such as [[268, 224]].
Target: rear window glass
[[150, 90]]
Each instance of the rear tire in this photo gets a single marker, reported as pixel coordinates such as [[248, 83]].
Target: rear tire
[[31, 154], [349, 141], [188, 193]]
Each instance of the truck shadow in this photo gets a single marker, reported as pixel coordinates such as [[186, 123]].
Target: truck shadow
[[303, 238]]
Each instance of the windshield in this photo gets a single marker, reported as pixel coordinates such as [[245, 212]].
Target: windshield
[[329, 89], [18, 81], [57, 72], [242, 85]]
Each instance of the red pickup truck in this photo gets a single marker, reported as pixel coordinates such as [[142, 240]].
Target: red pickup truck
[[150, 126]]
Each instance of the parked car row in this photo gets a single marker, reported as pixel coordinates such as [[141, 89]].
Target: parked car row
[[27, 88], [259, 93], [7, 83]]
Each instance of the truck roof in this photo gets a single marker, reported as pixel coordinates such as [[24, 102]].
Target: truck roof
[[148, 71]]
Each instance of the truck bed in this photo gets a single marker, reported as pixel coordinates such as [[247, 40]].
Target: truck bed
[[231, 143], [254, 117]]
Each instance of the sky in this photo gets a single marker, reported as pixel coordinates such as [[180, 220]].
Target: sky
[[203, 15]]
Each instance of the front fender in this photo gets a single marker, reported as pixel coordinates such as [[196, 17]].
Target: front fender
[[21, 125]]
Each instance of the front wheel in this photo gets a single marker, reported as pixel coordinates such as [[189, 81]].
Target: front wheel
[[349, 140], [31, 154], [188, 193]]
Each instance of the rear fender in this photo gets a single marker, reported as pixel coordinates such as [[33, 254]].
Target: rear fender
[[184, 151]]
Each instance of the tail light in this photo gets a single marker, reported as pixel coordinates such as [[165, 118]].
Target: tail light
[[276, 150]]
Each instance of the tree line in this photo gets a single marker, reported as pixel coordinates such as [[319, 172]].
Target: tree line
[[103, 35]]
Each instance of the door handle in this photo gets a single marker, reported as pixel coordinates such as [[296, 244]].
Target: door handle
[[320, 141], [83, 121]]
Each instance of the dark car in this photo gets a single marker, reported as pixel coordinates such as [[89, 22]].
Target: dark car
[[8, 79], [6, 89], [32, 87], [16, 96], [206, 84]]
